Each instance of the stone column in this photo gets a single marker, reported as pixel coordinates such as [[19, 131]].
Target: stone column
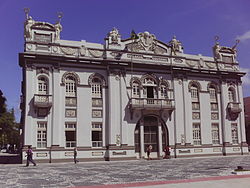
[[57, 124], [159, 139], [223, 105], [114, 106], [141, 139]]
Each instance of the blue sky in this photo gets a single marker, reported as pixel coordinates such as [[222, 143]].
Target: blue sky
[[194, 22]]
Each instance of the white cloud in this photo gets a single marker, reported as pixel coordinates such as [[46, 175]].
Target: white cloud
[[244, 37], [246, 78]]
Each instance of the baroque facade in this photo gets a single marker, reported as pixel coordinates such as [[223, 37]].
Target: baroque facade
[[112, 100]]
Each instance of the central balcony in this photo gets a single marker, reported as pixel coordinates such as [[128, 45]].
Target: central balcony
[[42, 101], [234, 107], [152, 104]]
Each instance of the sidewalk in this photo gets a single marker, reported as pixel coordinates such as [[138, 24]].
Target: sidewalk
[[240, 181]]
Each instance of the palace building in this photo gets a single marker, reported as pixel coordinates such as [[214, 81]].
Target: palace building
[[112, 100]]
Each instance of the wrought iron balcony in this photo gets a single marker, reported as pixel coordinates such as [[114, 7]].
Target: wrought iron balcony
[[234, 107], [152, 104], [42, 101]]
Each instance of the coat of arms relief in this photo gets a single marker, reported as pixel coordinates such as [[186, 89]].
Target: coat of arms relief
[[145, 42]]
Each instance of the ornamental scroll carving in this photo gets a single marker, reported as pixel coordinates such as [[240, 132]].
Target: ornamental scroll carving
[[191, 63], [210, 65], [68, 50], [96, 53], [96, 75]]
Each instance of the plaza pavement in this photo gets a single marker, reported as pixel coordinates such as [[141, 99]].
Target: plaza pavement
[[175, 173]]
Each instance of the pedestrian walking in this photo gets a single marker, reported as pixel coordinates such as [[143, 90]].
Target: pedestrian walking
[[29, 153], [148, 150], [75, 155]]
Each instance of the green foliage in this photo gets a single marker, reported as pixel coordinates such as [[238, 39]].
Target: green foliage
[[2, 103], [9, 131]]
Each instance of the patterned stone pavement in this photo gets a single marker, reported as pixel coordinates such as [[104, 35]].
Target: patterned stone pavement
[[116, 172]]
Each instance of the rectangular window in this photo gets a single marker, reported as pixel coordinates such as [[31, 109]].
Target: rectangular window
[[96, 134], [136, 91], [234, 130], [196, 134], [42, 88], [212, 93], [215, 133], [70, 135], [41, 134], [96, 91], [194, 93], [70, 89]]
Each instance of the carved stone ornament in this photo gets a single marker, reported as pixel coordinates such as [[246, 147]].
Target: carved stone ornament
[[29, 46], [194, 83], [72, 74], [191, 63], [83, 51], [42, 70], [201, 62], [235, 68], [135, 80], [178, 60], [55, 49], [159, 50], [220, 66], [96, 75], [96, 53], [210, 65], [146, 42], [68, 50], [114, 36]]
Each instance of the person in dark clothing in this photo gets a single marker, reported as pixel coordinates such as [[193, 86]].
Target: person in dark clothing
[[29, 153], [167, 152], [75, 155], [148, 150]]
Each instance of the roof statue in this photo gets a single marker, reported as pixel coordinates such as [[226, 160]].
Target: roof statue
[[114, 36], [176, 45]]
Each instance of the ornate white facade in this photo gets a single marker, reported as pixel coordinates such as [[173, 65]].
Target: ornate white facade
[[111, 100]]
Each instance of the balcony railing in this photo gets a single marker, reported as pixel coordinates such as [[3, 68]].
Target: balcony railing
[[234, 107], [44, 101], [147, 103]]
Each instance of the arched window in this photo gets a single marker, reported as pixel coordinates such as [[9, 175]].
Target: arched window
[[70, 84], [135, 90], [96, 88], [231, 95], [42, 86], [164, 91]]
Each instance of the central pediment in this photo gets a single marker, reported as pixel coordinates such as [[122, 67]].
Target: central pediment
[[146, 42]]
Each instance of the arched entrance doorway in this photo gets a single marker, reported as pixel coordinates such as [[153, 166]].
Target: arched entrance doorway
[[150, 130]]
